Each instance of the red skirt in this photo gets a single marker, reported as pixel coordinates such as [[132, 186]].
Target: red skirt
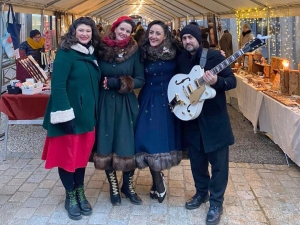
[[69, 152]]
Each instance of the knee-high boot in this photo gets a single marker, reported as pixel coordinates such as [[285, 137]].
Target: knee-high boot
[[115, 198], [128, 190]]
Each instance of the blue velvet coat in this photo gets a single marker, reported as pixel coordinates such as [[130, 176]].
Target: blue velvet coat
[[157, 136]]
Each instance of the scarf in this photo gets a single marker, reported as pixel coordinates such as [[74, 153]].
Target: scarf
[[245, 33], [165, 51], [110, 41], [35, 45]]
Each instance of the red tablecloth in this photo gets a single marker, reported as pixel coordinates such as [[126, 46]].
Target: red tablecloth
[[23, 107]]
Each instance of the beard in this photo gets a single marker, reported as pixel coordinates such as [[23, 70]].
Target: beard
[[190, 48]]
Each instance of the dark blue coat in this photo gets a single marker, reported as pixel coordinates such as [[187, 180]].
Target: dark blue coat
[[157, 136], [213, 121]]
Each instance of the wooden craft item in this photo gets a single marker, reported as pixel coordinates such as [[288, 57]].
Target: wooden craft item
[[294, 82], [284, 81], [276, 82], [267, 71], [276, 63], [281, 98]]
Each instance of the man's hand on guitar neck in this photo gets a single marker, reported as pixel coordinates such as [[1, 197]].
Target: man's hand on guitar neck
[[210, 78]]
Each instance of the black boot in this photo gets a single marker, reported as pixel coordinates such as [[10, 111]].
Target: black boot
[[153, 193], [161, 190], [128, 190], [115, 198], [72, 206], [84, 205]]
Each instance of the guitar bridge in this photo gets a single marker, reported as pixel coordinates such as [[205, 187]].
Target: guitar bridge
[[175, 101]]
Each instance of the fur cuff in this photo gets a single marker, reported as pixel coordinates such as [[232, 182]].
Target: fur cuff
[[62, 116], [159, 161], [118, 163], [123, 163], [127, 84], [102, 162]]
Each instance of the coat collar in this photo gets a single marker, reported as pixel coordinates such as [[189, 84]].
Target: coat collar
[[80, 48]]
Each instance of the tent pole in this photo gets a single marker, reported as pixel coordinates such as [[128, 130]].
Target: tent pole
[[268, 40], [1, 48]]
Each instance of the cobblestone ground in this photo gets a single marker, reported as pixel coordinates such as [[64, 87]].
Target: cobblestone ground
[[256, 194]]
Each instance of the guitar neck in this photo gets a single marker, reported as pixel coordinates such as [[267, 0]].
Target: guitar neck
[[218, 68]]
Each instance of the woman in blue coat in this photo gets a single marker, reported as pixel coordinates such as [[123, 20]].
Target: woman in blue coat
[[157, 140]]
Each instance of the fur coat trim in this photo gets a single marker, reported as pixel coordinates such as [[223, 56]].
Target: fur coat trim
[[62, 116], [127, 84], [80, 48], [118, 54], [158, 161], [112, 161], [166, 51]]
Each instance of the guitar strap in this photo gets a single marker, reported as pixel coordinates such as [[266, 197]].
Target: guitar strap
[[203, 58]]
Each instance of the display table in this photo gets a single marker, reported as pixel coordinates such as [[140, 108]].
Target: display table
[[22, 109], [283, 124], [249, 100]]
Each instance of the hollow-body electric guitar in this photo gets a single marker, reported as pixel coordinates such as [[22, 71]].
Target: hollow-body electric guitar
[[187, 92]]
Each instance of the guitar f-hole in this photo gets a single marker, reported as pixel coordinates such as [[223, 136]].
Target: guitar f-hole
[[182, 81], [187, 109]]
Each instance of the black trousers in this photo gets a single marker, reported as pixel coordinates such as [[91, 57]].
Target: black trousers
[[216, 183]]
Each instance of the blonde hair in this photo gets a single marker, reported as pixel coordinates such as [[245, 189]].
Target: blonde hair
[[247, 26]]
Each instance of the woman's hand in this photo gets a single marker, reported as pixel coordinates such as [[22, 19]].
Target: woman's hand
[[222, 53], [105, 83]]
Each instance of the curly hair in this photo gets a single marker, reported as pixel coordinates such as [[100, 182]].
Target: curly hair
[[70, 39], [167, 33]]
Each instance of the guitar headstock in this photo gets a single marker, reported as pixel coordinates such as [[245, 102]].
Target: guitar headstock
[[253, 45]]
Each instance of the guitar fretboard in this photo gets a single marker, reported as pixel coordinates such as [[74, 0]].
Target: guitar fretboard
[[218, 68]]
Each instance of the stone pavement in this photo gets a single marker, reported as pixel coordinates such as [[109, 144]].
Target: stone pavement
[[256, 194]]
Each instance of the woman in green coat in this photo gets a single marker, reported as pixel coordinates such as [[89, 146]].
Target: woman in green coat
[[70, 116], [122, 71]]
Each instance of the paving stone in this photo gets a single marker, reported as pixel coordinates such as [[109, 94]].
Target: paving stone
[[261, 192], [5, 179], [16, 182], [12, 172], [17, 222], [33, 202], [120, 213], [245, 194], [95, 184], [29, 168], [20, 196], [59, 218], [40, 193], [28, 187], [176, 192], [47, 184], [242, 187], [255, 216], [138, 220], [3, 199], [45, 210], [158, 209], [23, 175], [24, 213], [158, 219], [176, 201], [233, 210], [176, 184], [38, 220], [250, 205], [36, 178], [98, 218], [9, 190], [92, 192], [117, 222]]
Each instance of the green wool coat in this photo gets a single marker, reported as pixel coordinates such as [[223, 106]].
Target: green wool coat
[[74, 91], [118, 114]]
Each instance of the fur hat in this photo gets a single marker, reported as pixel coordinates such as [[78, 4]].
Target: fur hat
[[118, 21], [33, 33], [193, 30]]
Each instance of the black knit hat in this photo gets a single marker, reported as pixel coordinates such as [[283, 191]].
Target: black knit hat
[[193, 30], [34, 33]]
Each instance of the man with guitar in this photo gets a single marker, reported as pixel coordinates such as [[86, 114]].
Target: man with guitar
[[210, 134]]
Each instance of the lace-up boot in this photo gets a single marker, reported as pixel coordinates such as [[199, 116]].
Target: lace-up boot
[[115, 198], [72, 206], [128, 190], [84, 205]]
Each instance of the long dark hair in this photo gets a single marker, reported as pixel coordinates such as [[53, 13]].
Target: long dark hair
[[168, 35], [70, 39]]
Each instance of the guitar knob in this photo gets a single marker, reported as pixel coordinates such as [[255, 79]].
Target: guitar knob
[[183, 113], [206, 93], [191, 114]]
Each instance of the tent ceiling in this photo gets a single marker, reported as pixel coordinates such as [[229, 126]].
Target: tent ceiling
[[165, 10]]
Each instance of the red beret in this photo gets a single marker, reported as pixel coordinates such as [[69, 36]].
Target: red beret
[[118, 21]]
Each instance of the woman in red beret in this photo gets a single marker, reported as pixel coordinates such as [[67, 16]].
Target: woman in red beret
[[121, 71]]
